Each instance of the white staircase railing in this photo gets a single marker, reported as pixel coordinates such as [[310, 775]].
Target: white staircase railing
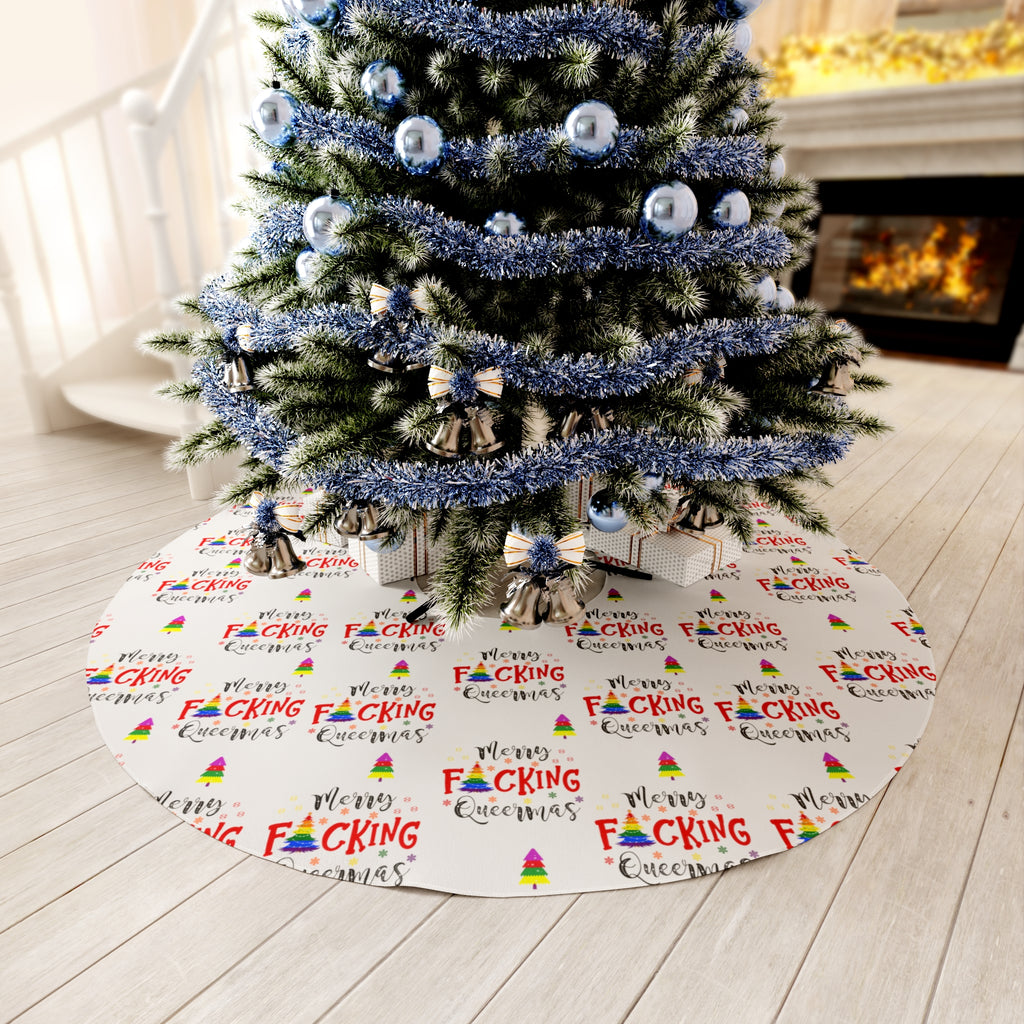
[[80, 276]]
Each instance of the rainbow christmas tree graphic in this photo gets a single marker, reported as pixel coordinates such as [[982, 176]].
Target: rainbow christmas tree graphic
[[475, 782], [533, 872], [400, 671], [304, 668], [667, 767], [409, 596], [508, 627], [480, 674], [141, 731], [673, 666], [768, 669], [808, 830], [214, 773], [614, 595], [382, 768], [780, 584], [218, 543], [211, 709], [304, 595], [101, 677], [745, 711], [342, 713], [849, 672], [915, 627], [370, 629], [837, 623], [251, 630], [632, 834], [796, 561], [835, 768], [563, 727], [716, 595], [181, 584], [301, 840], [762, 522], [611, 705], [856, 560], [587, 629], [235, 563], [175, 625], [703, 629]]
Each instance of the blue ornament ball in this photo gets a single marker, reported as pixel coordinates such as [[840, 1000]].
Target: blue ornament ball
[[653, 480], [318, 13], [305, 265], [735, 120], [605, 513], [785, 300], [502, 223], [593, 130], [420, 144], [742, 37], [731, 209], [766, 290], [669, 211], [736, 8], [272, 114], [321, 220], [383, 85]]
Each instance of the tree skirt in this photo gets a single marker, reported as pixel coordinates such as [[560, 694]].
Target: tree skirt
[[671, 734]]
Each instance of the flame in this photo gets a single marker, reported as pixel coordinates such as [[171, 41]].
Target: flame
[[942, 267]]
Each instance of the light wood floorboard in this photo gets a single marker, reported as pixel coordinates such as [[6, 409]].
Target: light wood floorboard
[[907, 912]]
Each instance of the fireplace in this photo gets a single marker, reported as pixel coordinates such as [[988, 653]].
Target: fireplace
[[931, 265]]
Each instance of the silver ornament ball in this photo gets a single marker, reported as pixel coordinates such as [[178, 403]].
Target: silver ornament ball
[[318, 13], [593, 130], [785, 300], [605, 513], [420, 144], [272, 114], [383, 85], [731, 209], [669, 211], [735, 120], [305, 265], [777, 166], [742, 38], [765, 290], [502, 223], [653, 480], [321, 220]]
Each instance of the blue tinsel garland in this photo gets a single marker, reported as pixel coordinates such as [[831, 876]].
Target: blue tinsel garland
[[476, 483]]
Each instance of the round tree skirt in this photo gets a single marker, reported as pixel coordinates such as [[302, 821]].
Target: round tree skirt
[[672, 733]]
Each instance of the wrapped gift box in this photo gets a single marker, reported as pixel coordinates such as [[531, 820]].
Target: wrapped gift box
[[416, 557], [681, 556]]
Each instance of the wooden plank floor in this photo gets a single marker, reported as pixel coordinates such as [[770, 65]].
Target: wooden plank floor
[[909, 911]]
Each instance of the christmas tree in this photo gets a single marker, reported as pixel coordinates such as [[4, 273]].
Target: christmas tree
[[498, 251], [211, 709], [480, 674], [534, 872], [768, 669], [214, 773], [837, 623], [400, 671], [612, 706], [382, 768], [632, 834], [342, 713], [141, 731], [667, 767], [563, 727], [301, 840], [746, 711], [835, 768], [808, 830], [672, 666], [475, 781]]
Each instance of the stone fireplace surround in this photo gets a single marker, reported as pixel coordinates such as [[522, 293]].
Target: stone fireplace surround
[[958, 129]]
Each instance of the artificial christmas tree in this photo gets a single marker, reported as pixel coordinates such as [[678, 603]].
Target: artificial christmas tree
[[501, 254]]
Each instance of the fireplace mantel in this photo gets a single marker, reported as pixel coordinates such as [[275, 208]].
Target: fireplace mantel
[[957, 128]]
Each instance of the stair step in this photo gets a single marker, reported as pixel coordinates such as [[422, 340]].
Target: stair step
[[130, 401]]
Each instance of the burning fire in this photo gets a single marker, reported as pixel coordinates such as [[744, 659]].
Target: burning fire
[[942, 267]]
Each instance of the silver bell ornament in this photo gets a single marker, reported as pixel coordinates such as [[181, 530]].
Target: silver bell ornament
[[502, 223], [318, 13], [564, 607], [482, 440], [522, 607], [669, 211], [605, 513], [349, 523], [594, 418], [370, 528], [238, 373], [272, 114], [321, 221], [256, 559], [731, 209], [420, 144], [695, 516], [445, 441], [837, 377], [382, 85], [283, 560], [593, 130]]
